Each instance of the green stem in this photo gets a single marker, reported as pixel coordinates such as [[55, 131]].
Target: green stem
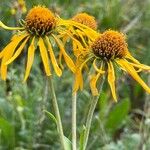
[[74, 98], [94, 101], [57, 113]]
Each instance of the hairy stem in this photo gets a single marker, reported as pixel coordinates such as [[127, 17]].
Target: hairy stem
[[57, 113], [74, 98], [94, 101]]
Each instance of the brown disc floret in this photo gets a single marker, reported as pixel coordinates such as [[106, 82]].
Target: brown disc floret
[[40, 20], [86, 19], [110, 45]]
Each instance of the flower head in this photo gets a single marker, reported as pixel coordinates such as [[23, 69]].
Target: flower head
[[109, 48], [81, 41], [110, 45], [78, 36], [40, 21], [86, 19], [40, 28]]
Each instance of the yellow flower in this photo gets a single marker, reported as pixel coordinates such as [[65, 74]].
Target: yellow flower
[[86, 19], [108, 49], [40, 28], [78, 36], [90, 22]]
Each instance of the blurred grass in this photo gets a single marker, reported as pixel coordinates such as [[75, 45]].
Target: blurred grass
[[24, 125]]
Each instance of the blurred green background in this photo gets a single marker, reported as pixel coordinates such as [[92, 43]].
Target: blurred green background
[[116, 126]]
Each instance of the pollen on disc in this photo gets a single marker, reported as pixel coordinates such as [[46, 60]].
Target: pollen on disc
[[40, 20], [86, 19], [109, 45]]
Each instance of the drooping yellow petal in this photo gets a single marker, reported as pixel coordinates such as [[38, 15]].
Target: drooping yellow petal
[[30, 59], [68, 60], [65, 39], [111, 80], [80, 26], [53, 60], [130, 69], [136, 63], [78, 81], [140, 66], [8, 52], [18, 52], [77, 46], [74, 47], [78, 74], [15, 39], [44, 56], [94, 78], [10, 28], [129, 56], [93, 82], [89, 33], [60, 60], [96, 68], [81, 36]]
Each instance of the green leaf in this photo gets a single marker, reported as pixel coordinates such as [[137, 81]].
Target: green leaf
[[117, 115], [51, 116], [7, 133], [103, 105], [82, 137], [67, 143]]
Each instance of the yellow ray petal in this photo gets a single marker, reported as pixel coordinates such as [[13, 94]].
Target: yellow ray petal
[[78, 81], [68, 60], [130, 69], [65, 39], [82, 27], [93, 82], [77, 46], [90, 33], [111, 80], [30, 59], [81, 36], [94, 78], [44, 56], [15, 39], [95, 67], [74, 47], [18, 52], [60, 60], [140, 66], [8, 52], [10, 28], [53, 60], [129, 56]]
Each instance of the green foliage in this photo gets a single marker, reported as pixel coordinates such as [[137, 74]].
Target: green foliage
[[6, 133], [82, 133], [117, 115], [115, 126]]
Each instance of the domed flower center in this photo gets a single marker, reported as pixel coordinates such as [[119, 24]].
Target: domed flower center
[[85, 19], [40, 20], [110, 45]]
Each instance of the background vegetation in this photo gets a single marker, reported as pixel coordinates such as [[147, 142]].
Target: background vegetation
[[116, 126]]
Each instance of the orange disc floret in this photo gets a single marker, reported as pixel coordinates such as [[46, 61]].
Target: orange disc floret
[[109, 45], [40, 20], [86, 19]]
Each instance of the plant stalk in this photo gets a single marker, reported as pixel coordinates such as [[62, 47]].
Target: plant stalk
[[94, 101], [74, 101], [57, 113]]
